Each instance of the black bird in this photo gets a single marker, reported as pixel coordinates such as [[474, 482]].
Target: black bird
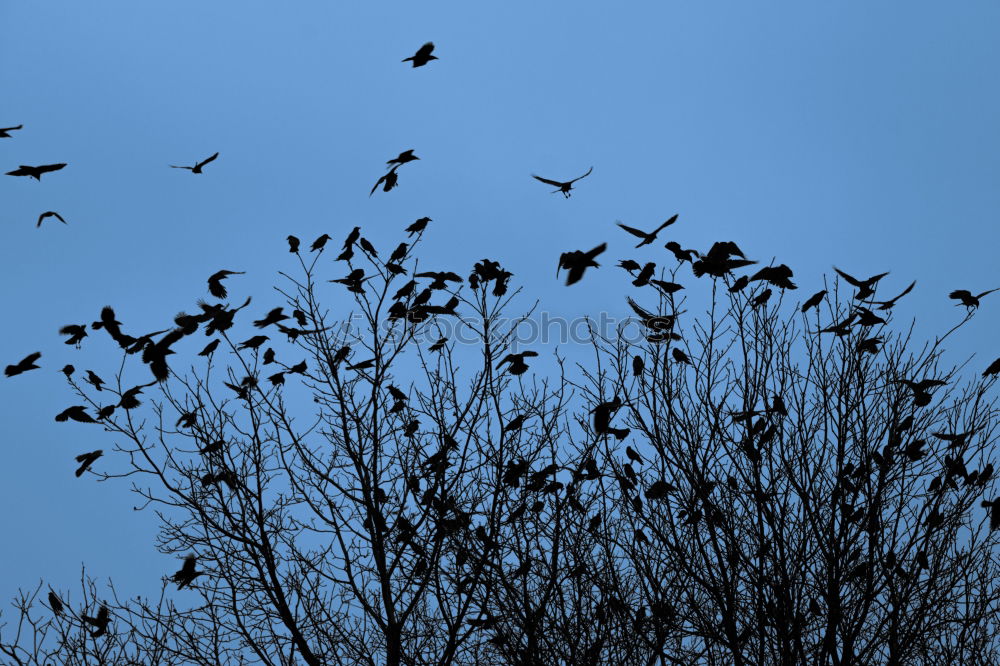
[[25, 364], [422, 56], [439, 345], [198, 166], [77, 412], [994, 507], [47, 214], [577, 262], [841, 328], [887, 305], [869, 345], [297, 369], [563, 187], [4, 131], [86, 460], [362, 365], [293, 243], [631, 265], [679, 253], [814, 300], [253, 343], [740, 284], [779, 276], [643, 278], [638, 365], [388, 181], [36, 172], [215, 286], [666, 287], [272, 317], [100, 622], [418, 226], [402, 158], [680, 356], [367, 247], [110, 324], [649, 237], [967, 298], [68, 370], [868, 318], [517, 364], [76, 333], [94, 380], [993, 369], [719, 261], [268, 356], [209, 348], [186, 574], [921, 395], [320, 242], [603, 413], [399, 253], [761, 299], [55, 604], [130, 399], [441, 278], [865, 287]]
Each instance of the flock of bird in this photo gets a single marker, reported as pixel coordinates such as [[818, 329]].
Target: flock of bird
[[412, 302]]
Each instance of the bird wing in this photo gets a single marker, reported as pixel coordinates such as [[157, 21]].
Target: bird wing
[[960, 294], [554, 183], [8, 129], [850, 280], [46, 168], [903, 293], [665, 224], [207, 160], [425, 50], [986, 292], [583, 176], [597, 250], [181, 167], [632, 230]]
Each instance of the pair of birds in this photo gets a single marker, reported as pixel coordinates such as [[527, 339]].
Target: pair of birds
[[391, 179]]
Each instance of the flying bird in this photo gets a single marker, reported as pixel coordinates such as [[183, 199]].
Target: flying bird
[[198, 166], [215, 286], [422, 56], [4, 131], [47, 214], [388, 181], [649, 237], [517, 365], [186, 574], [86, 460], [25, 364], [100, 622], [865, 287], [679, 253], [402, 158], [272, 317], [887, 305], [578, 261], [77, 413], [563, 187], [967, 298], [76, 333], [36, 172]]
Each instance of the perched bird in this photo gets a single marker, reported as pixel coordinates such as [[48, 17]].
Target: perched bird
[[387, 181], [55, 604], [4, 131], [25, 364], [268, 356], [993, 369], [362, 365], [439, 345], [865, 287], [719, 260], [868, 318], [198, 166], [402, 158], [68, 370], [577, 262], [666, 287], [100, 622], [920, 389], [779, 276], [761, 299], [680, 356], [631, 265], [740, 284], [48, 214], [94, 380], [76, 333], [367, 247], [293, 243], [36, 172], [638, 365], [647, 237], [814, 300], [399, 253], [319, 242], [186, 574], [967, 298], [418, 226], [209, 348], [603, 413], [130, 398], [994, 507], [215, 286], [86, 460], [422, 56], [253, 343], [517, 365], [869, 345], [887, 305], [563, 187], [77, 413]]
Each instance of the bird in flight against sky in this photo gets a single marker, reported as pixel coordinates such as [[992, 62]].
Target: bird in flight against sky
[[422, 56], [887, 305], [647, 238], [403, 158], [47, 214], [4, 131], [197, 167], [578, 261], [967, 298], [562, 187], [865, 287], [36, 171], [390, 181], [215, 286], [25, 364]]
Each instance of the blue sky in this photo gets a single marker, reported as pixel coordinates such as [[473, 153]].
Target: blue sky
[[853, 133]]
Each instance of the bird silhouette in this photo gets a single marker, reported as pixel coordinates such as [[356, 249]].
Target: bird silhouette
[[967, 298], [645, 274], [77, 413], [215, 286], [517, 365], [387, 181], [638, 366], [418, 226], [865, 287], [439, 345], [129, 399], [577, 262], [68, 370], [94, 380], [719, 260], [25, 364], [779, 276], [76, 333], [441, 278], [209, 348], [253, 343], [198, 166], [403, 158], [272, 317], [887, 305], [422, 56], [993, 368], [86, 460], [55, 604], [319, 243], [680, 356], [666, 287], [681, 254], [110, 324], [563, 187], [630, 265], [761, 299], [647, 237], [4, 131], [36, 172], [48, 214], [186, 574], [603, 413], [100, 622], [293, 243], [814, 300], [867, 318], [740, 284]]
